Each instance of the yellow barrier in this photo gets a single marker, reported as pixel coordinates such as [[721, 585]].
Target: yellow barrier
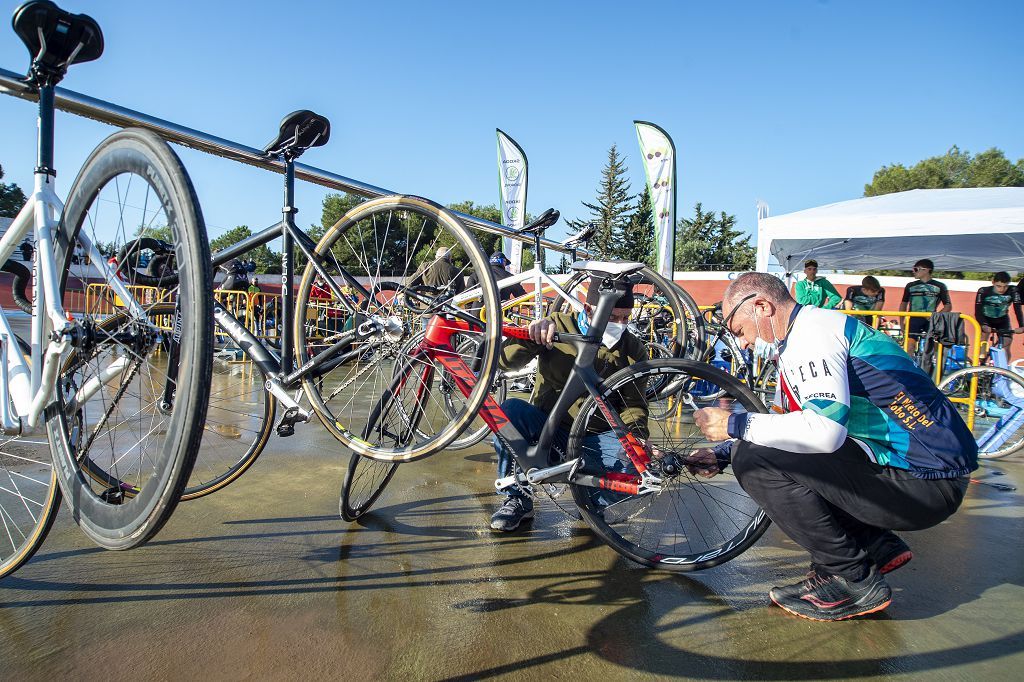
[[100, 299], [975, 345]]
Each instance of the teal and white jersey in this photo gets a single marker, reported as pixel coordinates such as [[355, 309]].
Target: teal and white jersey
[[838, 379]]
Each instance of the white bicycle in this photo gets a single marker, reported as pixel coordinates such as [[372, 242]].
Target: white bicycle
[[120, 391]]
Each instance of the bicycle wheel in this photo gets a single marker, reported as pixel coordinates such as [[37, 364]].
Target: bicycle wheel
[[394, 420], [998, 407], [395, 240], [29, 495], [239, 422], [692, 523], [132, 393]]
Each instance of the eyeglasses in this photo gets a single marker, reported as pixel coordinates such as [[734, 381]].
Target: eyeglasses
[[727, 322]]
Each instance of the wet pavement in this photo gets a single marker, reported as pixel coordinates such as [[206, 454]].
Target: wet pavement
[[263, 580]]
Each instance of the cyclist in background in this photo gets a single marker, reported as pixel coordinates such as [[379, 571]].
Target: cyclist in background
[[923, 295], [440, 273], [992, 309], [816, 291], [868, 296]]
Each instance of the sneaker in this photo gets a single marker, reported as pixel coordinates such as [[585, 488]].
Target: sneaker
[[827, 597], [888, 552], [512, 513]]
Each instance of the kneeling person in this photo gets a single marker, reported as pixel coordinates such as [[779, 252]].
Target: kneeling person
[[619, 349], [862, 443]]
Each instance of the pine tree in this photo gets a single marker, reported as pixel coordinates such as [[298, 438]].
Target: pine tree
[[706, 240], [638, 242], [612, 211]]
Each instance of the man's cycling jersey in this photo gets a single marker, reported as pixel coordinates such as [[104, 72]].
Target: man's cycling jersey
[[924, 297], [861, 301], [839, 378], [990, 305]]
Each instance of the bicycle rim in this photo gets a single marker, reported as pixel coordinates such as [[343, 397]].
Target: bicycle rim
[[692, 523], [29, 495], [994, 409], [383, 244]]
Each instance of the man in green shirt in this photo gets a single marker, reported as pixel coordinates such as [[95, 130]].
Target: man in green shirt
[[816, 291]]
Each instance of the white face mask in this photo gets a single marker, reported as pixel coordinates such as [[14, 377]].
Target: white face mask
[[766, 350], [612, 333]]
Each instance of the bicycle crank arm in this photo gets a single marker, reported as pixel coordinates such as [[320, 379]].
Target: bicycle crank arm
[[291, 406], [535, 476]]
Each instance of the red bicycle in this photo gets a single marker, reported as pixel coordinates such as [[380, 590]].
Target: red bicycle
[[624, 464]]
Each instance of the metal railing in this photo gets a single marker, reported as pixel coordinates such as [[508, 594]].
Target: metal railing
[[76, 103]]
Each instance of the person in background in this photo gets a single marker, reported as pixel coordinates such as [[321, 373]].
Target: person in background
[[868, 296], [498, 264], [992, 309], [816, 291], [923, 295], [439, 273]]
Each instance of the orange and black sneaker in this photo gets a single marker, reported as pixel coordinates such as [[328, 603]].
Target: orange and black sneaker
[[829, 597], [888, 552]]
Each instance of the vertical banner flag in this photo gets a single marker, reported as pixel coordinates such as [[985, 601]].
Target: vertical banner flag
[[659, 155], [512, 182]]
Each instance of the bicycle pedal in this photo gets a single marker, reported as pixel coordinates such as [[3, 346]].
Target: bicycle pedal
[[287, 425]]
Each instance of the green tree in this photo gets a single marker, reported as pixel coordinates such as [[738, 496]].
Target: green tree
[[953, 169], [637, 240], [709, 240], [11, 198], [612, 210], [266, 260]]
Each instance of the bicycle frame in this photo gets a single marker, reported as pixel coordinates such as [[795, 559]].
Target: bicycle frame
[[280, 370], [30, 388], [533, 459]]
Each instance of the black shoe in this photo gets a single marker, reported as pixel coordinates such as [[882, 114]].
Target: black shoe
[[830, 597], [888, 552], [512, 513]]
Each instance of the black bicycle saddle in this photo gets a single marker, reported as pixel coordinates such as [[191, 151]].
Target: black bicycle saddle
[[300, 130], [56, 39], [543, 221]]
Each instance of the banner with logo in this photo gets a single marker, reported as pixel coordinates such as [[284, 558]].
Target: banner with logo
[[512, 183], [659, 155]]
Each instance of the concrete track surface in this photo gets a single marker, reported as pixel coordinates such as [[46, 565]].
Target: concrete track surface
[[262, 580]]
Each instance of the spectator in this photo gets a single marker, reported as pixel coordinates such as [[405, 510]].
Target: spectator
[[816, 291], [868, 296], [992, 309], [923, 295], [440, 273], [499, 263]]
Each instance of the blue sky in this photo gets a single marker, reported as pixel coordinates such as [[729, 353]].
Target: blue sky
[[796, 103]]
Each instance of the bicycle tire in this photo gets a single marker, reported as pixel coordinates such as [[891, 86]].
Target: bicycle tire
[[340, 399], [160, 409], [360, 490], [241, 412], [956, 384], [29, 495], [736, 521]]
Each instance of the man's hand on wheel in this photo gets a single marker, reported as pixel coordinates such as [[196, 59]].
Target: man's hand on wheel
[[702, 463], [713, 422]]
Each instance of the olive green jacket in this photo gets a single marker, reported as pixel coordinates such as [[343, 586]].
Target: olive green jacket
[[554, 365]]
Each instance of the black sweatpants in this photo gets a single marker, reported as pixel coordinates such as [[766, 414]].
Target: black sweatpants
[[834, 505]]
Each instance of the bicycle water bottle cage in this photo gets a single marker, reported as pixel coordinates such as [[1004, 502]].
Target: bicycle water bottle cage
[[300, 130], [55, 39]]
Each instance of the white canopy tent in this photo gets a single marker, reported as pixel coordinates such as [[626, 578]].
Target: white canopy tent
[[960, 229]]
